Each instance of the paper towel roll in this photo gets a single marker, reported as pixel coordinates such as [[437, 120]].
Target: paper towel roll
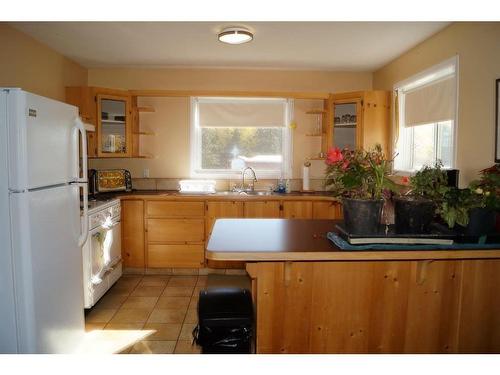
[[305, 178]]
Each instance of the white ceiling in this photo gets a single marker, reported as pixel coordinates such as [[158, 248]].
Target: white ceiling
[[353, 46]]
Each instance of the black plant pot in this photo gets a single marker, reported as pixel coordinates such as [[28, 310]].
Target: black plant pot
[[413, 216], [481, 221], [362, 217]]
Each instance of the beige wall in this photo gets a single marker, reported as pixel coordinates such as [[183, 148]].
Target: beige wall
[[26, 63], [170, 122], [171, 143], [477, 45], [230, 79]]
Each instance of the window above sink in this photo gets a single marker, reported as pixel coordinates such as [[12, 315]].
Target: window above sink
[[230, 134]]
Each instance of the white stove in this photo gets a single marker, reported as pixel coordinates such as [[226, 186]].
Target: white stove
[[102, 265]]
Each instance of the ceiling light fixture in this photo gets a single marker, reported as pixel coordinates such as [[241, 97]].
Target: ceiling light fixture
[[235, 35]]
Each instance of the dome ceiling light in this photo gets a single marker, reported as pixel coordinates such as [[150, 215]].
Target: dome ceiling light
[[235, 35]]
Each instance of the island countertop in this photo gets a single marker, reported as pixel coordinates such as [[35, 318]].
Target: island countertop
[[257, 240]]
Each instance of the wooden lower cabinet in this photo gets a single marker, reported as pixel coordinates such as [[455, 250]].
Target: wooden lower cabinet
[[175, 230], [327, 210], [442, 306], [132, 222], [262, 209], [176, 255], [298, 210], [222, 210], [164, 234]]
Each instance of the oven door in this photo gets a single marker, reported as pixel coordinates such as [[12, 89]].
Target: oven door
[[103, 249]]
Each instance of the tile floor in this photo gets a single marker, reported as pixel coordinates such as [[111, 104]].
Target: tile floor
[[147, 314]]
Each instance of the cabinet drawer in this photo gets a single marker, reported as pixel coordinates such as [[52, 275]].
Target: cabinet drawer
[[174, 209], [175, 230], [165, 256]]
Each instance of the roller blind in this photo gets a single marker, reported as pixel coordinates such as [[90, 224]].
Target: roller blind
[[242, 112], [430, 103]]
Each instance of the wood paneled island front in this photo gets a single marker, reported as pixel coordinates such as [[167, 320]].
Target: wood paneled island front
[[311, 297]]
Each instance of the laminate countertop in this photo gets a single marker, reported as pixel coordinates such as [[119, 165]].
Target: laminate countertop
[[257, 240], [223, 195]]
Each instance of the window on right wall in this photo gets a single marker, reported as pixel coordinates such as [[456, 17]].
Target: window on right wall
[[426, 118]]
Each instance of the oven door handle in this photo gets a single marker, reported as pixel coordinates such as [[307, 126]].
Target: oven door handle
[[114, 224]]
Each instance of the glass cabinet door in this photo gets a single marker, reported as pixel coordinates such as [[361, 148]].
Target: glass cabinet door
[[346, 123], [113, 126]]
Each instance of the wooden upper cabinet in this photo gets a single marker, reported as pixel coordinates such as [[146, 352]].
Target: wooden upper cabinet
[[110, 111], [297, 210], [327, 210], [262, 209], [83, 97], [359, 120], [114, 121]]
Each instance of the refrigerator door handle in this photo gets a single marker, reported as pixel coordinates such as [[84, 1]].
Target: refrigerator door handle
[[85, 227], [81, 128]]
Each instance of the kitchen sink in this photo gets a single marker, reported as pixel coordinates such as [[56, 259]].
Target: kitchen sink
[[251, 193]]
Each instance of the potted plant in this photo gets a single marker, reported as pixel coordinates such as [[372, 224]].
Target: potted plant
[[455, 206], [360, 178], [483, 216], [415, 209], [471, 208]]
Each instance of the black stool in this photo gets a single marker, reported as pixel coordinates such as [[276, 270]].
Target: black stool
[[225, 321]]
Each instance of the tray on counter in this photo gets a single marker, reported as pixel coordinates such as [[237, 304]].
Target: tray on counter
[[387, 235], [439, 234]]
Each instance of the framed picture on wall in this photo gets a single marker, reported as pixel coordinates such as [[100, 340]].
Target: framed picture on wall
[[497, 123]]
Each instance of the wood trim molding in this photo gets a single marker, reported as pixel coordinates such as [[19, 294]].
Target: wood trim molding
[[270, 94]]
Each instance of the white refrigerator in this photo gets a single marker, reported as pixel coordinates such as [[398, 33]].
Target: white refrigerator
[[41, 227]]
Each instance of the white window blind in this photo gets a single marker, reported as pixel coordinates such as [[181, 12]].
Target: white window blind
[[425, 118], [430, 103], [257, 113], [229, 134]]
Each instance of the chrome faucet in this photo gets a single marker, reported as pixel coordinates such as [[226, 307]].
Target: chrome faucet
[[252, 186]]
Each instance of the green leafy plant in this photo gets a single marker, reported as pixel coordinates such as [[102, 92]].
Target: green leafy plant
[[358, 174], [488, 187], [429, 183], [457, 203]]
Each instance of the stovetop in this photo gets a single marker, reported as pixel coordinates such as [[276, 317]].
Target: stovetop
[[95, 205]]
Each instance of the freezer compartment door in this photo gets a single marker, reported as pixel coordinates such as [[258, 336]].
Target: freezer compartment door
[[43, 141], [48, 269]]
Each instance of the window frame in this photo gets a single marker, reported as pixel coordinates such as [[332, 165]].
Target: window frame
[[196, 139], [422, 78]]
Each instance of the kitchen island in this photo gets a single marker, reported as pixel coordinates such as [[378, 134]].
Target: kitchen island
[[311, 297]]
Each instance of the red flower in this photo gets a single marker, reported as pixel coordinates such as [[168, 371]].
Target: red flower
[[405, 180], [345, 164], [334, 155]]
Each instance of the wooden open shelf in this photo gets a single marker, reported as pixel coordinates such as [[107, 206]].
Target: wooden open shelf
[[144, 133], [313, 135], [316, 158], [316, 112], [146, 109], [144, 157]]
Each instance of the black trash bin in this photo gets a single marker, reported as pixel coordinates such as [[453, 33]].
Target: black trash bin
[[225, 321]]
